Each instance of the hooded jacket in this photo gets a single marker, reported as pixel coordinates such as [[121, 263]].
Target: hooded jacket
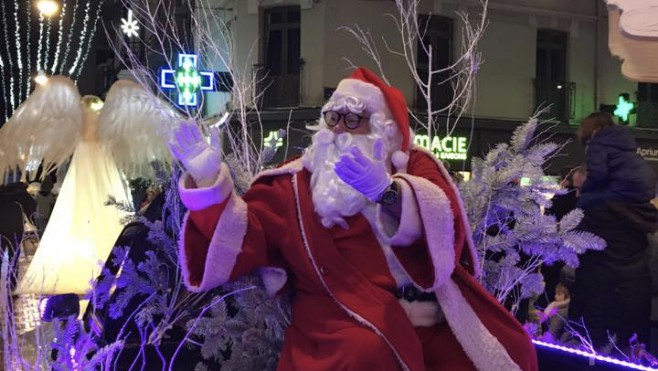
[[615, 171]]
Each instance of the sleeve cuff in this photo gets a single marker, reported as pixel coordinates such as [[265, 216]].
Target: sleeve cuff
[[200, 198]]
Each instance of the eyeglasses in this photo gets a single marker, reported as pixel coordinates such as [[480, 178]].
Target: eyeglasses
[[350, 120]]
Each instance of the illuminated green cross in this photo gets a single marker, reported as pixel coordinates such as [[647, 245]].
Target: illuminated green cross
[[624, 107], [187, 79]]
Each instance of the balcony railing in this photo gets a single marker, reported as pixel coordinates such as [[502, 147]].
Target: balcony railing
[[560, 95]]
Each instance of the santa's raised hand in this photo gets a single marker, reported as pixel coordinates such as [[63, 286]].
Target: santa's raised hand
[[201, 160], [367, 175]]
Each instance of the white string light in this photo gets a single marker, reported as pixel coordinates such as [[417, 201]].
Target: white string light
[[18, 53], [22, 60], [85, 22], [59, 38], [47, 53], [92, 32], [68, 35], [40, 42], [82, 39], [11, 75]]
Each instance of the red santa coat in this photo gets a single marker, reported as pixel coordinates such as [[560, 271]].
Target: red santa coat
[[344, 312]]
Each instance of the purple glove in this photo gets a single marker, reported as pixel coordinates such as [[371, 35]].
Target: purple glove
[[366, 175], [201, 160]]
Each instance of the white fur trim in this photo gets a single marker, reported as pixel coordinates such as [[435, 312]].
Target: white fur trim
[[423, 313], [291, 167], [371, 95], [460, 203], [410, 227], [482, 348], [201, 198], [273, 279], [437, 218], [400, 161], [224, 247]]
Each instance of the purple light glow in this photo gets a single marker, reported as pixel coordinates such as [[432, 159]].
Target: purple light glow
[[43, 303], [595, 356]]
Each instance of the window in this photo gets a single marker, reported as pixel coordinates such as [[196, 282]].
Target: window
[[282, 55], [551, 85], [647, 104], [438, 35]]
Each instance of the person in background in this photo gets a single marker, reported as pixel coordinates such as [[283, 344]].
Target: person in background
[[571, 181], [611, 293], [16, 205], [45, 200], [615, 172], [557, 312]]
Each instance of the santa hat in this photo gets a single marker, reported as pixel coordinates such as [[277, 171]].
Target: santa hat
[[378, 96]]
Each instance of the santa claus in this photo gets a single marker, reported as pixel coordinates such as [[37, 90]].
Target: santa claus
[[369, 232]]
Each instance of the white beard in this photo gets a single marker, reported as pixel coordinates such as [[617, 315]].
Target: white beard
[[334, 199]]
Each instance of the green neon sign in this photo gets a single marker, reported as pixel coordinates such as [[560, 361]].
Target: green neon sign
[[188, 80], [274, 139], [624, 107], [446, 148]]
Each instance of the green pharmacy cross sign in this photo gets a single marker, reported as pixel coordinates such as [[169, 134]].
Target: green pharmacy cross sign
[[624, 107], [187, 79]]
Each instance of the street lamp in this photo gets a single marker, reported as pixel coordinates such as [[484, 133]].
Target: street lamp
[[47, 7]]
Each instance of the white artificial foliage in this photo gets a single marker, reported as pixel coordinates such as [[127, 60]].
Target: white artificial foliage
[[513, 235]]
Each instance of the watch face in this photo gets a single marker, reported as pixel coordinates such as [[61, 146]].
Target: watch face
[[388, 197]]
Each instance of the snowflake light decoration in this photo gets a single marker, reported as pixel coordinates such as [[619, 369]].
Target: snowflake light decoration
[[129, 26]]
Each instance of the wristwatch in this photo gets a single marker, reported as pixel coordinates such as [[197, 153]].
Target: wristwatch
[[390, 195]]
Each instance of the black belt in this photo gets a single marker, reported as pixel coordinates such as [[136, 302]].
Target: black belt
[[411, 293]]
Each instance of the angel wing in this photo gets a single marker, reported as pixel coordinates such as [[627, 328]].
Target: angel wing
[[44, 129], [134, 125]]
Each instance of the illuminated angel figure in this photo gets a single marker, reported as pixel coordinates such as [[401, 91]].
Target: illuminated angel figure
[[107, 140]]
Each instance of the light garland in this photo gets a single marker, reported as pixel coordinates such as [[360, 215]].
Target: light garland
[[59, 39], [82, 39], [40, 42], [22, 60], [92, 32], [68, 35], [18, 54], [595, 356]]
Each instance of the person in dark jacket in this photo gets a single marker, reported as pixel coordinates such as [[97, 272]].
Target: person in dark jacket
[[614, 169], [14, 202], [611, 293], [45, 200]]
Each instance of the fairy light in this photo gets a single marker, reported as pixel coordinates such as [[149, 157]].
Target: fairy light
[[28, 10], [47, 54], [83, 33], [10, 60], [92, 32], [598, 357], [18, 54], [22, 59], [2, 83], [59, 39], [68, 35], [40, 42]]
